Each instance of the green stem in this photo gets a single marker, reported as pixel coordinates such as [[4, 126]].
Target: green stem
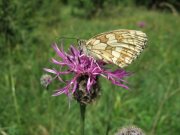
[[14, 98], [82, 111], [109, 112]]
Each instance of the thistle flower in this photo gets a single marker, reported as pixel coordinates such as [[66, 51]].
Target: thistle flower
[[86, 71], [141, 24], [131, 130]]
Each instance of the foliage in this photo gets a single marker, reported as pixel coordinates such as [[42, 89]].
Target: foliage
[[91, 8], [152, 104], [157, 3], [8, 30]]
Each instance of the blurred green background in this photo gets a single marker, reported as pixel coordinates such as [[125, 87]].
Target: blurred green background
[[27, 30]]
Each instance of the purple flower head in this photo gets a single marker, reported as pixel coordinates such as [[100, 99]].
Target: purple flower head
[[141, 24], [78, 64]]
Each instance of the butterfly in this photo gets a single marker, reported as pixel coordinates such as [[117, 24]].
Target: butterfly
[[120, 47]]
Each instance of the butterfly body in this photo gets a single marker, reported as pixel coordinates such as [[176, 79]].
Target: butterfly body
[[120, 47]]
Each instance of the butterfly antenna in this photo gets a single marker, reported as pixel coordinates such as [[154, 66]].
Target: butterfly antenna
[[64, 37]]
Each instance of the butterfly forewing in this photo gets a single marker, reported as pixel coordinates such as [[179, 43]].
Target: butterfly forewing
[[120, 47]]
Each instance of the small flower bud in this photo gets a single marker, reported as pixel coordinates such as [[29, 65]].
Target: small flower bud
[[131, 130], [45, 80]]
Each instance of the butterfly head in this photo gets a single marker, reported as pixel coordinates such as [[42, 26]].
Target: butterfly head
[[82, 46]]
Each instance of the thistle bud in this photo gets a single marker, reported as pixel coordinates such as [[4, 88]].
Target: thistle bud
[[131, 130], [45, 80]]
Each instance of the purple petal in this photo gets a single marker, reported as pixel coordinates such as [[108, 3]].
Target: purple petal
[[59, 52], [90, 82], [118, 83], [53, 71], [60, 79], [74, 51], [60, 91], [121, 85], [58, 62], [75, 86]]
